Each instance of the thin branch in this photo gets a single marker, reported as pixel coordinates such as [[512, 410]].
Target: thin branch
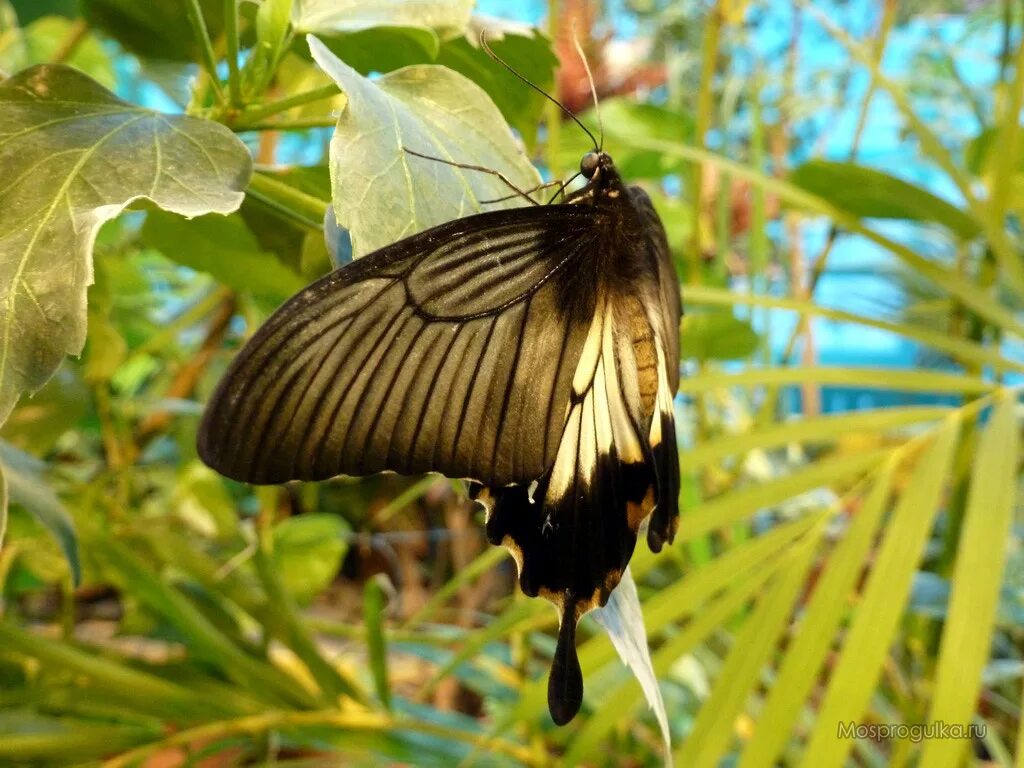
[[254, 116]]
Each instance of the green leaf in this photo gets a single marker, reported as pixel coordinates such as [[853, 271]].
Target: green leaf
[[735, 505], [156, 29], [374, 605], [710, 738], [75, 156], [716, 336], [809, 648], [524, 49], [382, 35], [872, 194], [353, 15], [976, 580], [882, 602], [221, 246], [428, 109], [273, 22], [26, 486], [308, 551]]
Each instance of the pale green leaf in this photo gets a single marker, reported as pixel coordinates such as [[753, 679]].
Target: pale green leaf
[[876, 619], [25, 485], [430, 110], [355, 15], [976, 580], [75, 156], [817, 630], [707, 743]]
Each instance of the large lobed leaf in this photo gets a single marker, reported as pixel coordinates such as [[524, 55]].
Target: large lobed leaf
[[74, 155], [382, 193]]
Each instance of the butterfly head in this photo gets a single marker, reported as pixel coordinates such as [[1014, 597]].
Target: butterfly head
[[594, 163]]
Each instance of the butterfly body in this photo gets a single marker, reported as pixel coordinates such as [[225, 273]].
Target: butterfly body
[[532, 351]]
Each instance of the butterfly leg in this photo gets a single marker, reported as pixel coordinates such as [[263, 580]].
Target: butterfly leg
[[480, 168]]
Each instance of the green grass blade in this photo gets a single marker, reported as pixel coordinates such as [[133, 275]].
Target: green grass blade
[[880, 378], [976, 581], [961, 349], [374, 605], [877, 617], [259, 676], [730, 507], [821, 428], [712, 734], [810, 646], [627, 694], [145, 692]]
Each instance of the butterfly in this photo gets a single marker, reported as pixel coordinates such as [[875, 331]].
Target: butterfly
[[532, 351]]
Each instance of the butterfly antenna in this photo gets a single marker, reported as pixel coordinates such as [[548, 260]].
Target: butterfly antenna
[[593, 88], [537, 88]]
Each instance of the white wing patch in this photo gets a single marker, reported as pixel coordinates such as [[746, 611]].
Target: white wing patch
[[598, 424]]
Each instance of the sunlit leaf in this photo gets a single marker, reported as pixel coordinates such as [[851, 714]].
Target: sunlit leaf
[[76, 155], [882, 602], [976, 580], [353, 15], [809, 647], [382, 35], [712, 733], [430, 110]]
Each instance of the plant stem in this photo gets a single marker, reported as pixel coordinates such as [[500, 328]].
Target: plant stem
[[298, 124], [231, 35], [254, 116], [202, 36], [287, 200]]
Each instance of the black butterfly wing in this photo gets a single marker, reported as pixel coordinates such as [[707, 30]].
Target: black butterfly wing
[[450, 351], [573, 533]]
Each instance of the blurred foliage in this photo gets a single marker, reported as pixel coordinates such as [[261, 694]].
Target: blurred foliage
[[833, 565]]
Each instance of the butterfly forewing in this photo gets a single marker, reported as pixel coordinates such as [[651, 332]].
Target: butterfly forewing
[[451, 351]]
